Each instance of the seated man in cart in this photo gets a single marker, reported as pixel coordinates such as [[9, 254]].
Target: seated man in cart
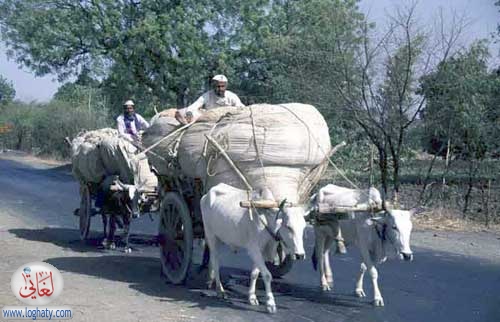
[[130, 123], [217, 97]]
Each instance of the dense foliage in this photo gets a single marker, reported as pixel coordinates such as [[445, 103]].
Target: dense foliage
[[386, 91]]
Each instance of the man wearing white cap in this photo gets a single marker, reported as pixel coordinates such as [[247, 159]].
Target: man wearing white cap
[[130, 123], [217, 97]]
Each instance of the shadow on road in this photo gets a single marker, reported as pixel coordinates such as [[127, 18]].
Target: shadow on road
[[143, 274], [70, 238], [426, 283]]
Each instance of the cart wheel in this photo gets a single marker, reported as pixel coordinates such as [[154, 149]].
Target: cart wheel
[[84, 212], [282, 263], [175, 238]]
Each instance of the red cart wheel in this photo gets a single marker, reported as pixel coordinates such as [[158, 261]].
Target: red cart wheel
[[175, 238]]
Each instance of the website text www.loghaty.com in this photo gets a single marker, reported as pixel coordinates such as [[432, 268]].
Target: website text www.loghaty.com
[[36, 284], [36, 313]]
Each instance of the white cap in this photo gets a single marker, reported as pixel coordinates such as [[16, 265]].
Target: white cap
[[129, 102], [220, 78]]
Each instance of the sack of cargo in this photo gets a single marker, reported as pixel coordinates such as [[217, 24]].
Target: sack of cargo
[[277, 146], [99, 153]]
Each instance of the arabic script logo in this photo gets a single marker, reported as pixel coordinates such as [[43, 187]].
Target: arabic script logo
[[37, 283]]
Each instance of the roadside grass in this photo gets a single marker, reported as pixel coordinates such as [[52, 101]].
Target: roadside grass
[[444, 203]]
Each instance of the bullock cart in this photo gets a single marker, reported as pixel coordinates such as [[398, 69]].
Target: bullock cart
[[181, 223], [87, 210], [100, 155], [281, 147]]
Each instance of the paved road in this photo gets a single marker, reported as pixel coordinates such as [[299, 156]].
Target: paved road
[[445, 282]]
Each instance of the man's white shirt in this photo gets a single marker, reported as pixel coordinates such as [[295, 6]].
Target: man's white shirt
[[210, 100], [122, 129]]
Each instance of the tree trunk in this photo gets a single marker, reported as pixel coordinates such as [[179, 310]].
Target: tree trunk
[[382, 162], [395, 178], [467, 197], [447, 162]]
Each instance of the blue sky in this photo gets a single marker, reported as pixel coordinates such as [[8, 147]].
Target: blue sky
[[483, 15]]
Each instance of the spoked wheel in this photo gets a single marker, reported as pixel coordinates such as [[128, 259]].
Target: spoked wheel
[[281, 264], [175, 238], [84, 212]]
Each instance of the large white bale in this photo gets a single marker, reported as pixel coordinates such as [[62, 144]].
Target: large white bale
[[159, 128], [274, 145], [87, 165], [103, 152]]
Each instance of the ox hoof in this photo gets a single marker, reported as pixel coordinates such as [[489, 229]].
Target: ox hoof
[[112, 245], [222, 295], [360, 293], [341, 249], [252, 299], [326, 288], [271, 308], [127, 250], [378, 302]]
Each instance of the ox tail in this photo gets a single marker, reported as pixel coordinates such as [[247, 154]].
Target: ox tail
[[314, 259], [206, 259]]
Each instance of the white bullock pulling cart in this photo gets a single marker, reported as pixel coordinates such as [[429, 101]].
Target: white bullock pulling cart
[[283, 148]]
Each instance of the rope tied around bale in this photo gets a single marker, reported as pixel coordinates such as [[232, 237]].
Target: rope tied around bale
[[257, 148]]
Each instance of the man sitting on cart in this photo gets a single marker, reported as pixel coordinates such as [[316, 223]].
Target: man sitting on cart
[[217, 97], [130, 123]]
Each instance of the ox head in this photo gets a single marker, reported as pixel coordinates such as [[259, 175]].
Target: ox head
[[291, 225], [374, 198], [129, 196], [395, 227]]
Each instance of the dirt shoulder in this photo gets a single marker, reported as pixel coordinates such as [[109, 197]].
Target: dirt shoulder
[[88, 290], [32, 160]]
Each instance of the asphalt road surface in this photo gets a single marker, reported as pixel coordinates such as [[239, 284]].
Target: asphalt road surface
[[454, 277]]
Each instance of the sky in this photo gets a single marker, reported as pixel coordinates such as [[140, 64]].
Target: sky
[[482, 14]]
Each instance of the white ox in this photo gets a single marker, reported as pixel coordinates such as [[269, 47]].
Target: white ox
[[376, 237], [340, 196], [225, 221]]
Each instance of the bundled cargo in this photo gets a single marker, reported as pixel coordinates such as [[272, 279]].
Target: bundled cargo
[[99, 153], [282, 147]]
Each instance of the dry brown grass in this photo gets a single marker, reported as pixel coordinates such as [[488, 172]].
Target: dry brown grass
[[29, 158], [448, 220]]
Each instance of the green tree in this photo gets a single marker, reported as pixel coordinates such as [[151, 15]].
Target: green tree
[[380, 91], [310, 45], [462, 111], [460, 99], [7, 91], [159, 48]]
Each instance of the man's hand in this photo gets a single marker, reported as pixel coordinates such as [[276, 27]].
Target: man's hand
[[184, 120], [180, 118]]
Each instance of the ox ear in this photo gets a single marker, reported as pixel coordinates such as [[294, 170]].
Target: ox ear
[[282, 205], [131, 189]]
